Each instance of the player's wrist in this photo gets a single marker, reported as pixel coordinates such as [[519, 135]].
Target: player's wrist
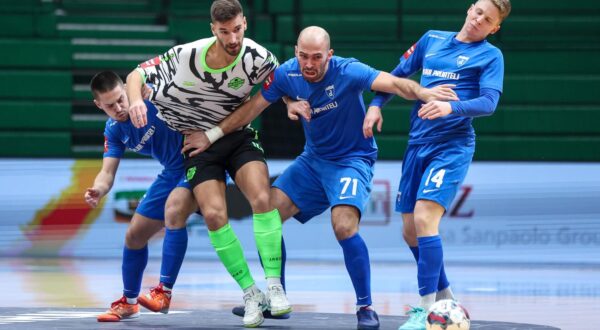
[[214, 134]]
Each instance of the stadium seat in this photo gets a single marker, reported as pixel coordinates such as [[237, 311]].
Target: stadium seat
[[25, 53], [29, 84], [35, 115], [35, 144]]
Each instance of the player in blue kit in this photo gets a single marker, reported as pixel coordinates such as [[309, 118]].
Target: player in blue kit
[[442, 140], [336, 168], [168, 197]]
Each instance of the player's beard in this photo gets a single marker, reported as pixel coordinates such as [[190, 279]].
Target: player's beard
[[232, 49]]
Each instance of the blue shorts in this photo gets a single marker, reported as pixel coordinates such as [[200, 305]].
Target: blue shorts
[[152, 204], [433, 171], [315, 185]]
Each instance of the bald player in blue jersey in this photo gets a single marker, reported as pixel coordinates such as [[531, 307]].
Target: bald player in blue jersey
[[441, 139], [336, 168], [169, 197]]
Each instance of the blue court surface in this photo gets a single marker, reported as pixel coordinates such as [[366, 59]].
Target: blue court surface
[[69, 293]]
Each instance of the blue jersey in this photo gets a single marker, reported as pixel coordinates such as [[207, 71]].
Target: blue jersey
[[155, 139], [337, 108], [445, 60]]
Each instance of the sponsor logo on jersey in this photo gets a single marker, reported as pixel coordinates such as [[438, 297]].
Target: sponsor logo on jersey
[[147, 136], [293, 74], [105, 144], [441, 74], [269, 81], [461, 60], [410, 51], [236, 83], [330, 91], [326, 107], [436, 36]]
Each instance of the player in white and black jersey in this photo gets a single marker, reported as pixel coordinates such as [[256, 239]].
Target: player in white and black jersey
[[190, 94], [196, 85]]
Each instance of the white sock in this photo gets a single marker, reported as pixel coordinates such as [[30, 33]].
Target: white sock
[[445, 294], [273, 281], [253, 288], [427, 301], [131, 301]]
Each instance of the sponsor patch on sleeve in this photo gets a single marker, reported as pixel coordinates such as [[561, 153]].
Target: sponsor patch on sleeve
[[410, 51], [149, 63], [269, 81], [105, 144]]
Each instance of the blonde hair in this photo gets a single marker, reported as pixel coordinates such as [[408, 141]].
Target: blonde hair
[[503, 6]]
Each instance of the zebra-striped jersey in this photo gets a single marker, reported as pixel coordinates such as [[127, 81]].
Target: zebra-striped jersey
[[190, 95]]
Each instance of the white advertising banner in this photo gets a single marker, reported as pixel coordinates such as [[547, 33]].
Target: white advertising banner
[[503, 213]]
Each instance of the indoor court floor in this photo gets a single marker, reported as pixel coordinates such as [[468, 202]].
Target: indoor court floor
[[68, 293]]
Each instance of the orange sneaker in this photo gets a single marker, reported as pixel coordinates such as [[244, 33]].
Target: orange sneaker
[[158, 300], [120, 310]]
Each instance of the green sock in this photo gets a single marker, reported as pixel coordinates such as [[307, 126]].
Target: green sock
[[267, 234], [230, 252]]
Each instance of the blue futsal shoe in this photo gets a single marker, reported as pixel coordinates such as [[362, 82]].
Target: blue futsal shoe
[[239, 311], [367, 319], [416, 319]]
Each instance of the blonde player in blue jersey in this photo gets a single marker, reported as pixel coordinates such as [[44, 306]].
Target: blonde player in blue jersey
[[167, 202], [336, 168], [442, 140]]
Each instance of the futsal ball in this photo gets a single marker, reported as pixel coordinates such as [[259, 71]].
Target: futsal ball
[[447, 314]]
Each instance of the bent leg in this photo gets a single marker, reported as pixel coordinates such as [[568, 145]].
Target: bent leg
[[356, 255], [180, 205], [210, 196], [253, 180], [135, 252], [427, 217]]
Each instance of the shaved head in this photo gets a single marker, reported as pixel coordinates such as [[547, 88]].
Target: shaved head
[[313, 53], [314, 36]]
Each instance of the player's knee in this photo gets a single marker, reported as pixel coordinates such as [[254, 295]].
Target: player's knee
[[410, 237], [134, 240], [175, 217], [214, 218], [344, 230], [260, 202]]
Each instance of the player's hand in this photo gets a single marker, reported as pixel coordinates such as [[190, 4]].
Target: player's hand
[[443, 92], [435, 109], [194, 141], [297, 109], [373, 117], [92, 196], [137, 114]]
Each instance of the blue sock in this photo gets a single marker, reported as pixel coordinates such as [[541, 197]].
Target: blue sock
[[430, 264], [132, 270], [174, 247], [443, 282], [283, 259], [415, 252], [356, 257]]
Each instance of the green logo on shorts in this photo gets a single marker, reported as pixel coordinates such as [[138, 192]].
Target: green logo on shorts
[[257, 146], [236, 83], [190, 173]]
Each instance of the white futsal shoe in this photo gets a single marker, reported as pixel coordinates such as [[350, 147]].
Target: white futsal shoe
[[278, 302], [255, 303]]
